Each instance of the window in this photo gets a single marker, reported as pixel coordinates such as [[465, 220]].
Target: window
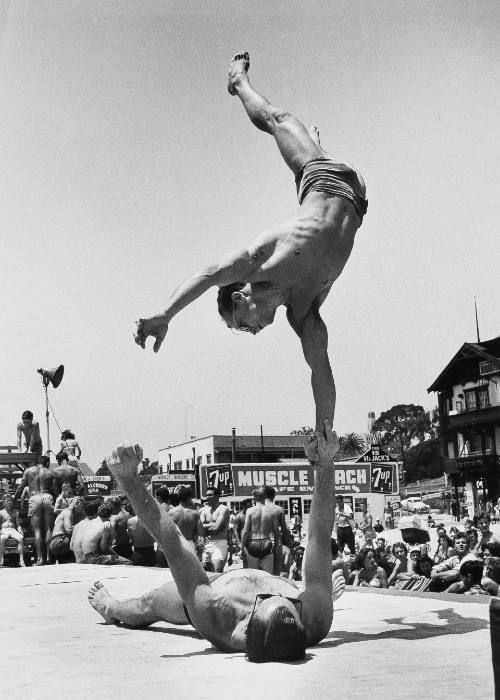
[[283, 503], [177, 466], [483, 396], [477, 398], [198, 460], [209, 459], [187, 463], [470, 400], [306, 503], [359, 504]]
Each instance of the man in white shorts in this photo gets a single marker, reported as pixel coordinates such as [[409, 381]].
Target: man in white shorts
[[214, 519]]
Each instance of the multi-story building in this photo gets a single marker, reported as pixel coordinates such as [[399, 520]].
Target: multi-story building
[[220, 449], [469, 409]]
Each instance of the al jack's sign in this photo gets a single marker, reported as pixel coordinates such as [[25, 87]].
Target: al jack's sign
[[297, 479]]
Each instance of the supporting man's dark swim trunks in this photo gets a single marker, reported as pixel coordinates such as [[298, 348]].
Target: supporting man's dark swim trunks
[[260, 548], [324, 175]]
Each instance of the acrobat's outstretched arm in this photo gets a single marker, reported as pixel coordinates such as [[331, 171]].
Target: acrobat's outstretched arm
[[235, 268]]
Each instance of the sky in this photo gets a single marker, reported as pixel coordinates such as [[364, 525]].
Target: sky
[[126, 166]]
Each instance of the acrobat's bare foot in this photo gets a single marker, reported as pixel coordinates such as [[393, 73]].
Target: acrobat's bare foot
[[314, 134], [99, 598], [238, 70], [338, 584]]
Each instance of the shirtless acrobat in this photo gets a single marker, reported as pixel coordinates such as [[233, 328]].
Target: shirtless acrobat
[[294, 264], [248, 610]]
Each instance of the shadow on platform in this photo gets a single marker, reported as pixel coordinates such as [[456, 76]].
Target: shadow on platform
[[456, 624]]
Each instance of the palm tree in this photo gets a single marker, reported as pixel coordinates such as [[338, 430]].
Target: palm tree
[[352, 443]]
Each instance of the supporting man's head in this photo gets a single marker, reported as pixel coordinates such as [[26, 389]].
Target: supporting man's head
[[45, 461], [275, 631], [471, 572], [116, 504]]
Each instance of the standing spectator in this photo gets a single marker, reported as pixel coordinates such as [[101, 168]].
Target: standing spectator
[[162, 495], [260, 522], [286, 539], [296, 526], [10, 527], [388, 516], [344, 532], [42, 487], [483, 523], [239, 523], [214, 517], [338, 562], [295, 573], [70, 446], [368, 572], [187, 518], [444, 549], [28, 435]]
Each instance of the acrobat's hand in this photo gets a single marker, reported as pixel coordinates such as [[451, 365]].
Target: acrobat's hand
[[125, 459], [322, 447], [157, 326]]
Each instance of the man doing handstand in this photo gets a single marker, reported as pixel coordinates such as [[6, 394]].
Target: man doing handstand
[[294, 264], [248, 610]]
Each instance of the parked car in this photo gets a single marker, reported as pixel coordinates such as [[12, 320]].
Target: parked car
[[414, 504]]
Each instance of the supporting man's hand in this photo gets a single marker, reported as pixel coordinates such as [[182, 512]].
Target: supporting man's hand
[[157, 326], [322, 447], [125, 459]]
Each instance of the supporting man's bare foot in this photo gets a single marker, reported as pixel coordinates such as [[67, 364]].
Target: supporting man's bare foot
[[99, 598], [238, 69], [338, 584]]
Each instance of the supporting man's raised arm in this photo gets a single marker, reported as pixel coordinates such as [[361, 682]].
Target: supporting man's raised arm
[[313, 335]]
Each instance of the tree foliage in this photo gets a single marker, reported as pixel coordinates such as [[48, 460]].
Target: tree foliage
[[103, 469], [352, 443], [404, 424], [424, 461]]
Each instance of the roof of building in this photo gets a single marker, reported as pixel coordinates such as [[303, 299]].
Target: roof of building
[[250, 442], [486, 351]]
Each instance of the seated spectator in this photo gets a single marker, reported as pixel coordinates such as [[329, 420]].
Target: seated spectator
[[378, 527], [338, 562], [400, 557], [295, 573], [92, 537], [444, 549], [64, 499], [448, 571], [453, 533], [382, 556], [63, 529], [142, 542], [468, 524], [424, 566], [119, 520], [430, 521], [473, 537], [483, 523], [471, 572], [10, 527], [491, 575], [419, 580], [368, 573]]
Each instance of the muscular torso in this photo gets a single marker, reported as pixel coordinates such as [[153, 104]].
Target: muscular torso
[[307, 253], [261, 522], [210, 515], [93, 536], [39, 480], [30, 435], [187, 520], [67, 473], [138, 533], [63, 524]]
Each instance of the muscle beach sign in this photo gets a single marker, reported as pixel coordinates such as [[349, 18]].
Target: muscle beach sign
[[296, 479]]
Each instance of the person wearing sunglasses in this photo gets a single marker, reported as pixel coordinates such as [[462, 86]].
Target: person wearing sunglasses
[[242, 610], [294, 264]]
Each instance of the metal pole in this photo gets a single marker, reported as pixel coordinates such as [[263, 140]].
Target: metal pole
[[45, 386], [262, 449], [233, 446]]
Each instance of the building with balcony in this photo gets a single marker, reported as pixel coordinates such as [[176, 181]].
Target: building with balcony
[[468, 391]]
